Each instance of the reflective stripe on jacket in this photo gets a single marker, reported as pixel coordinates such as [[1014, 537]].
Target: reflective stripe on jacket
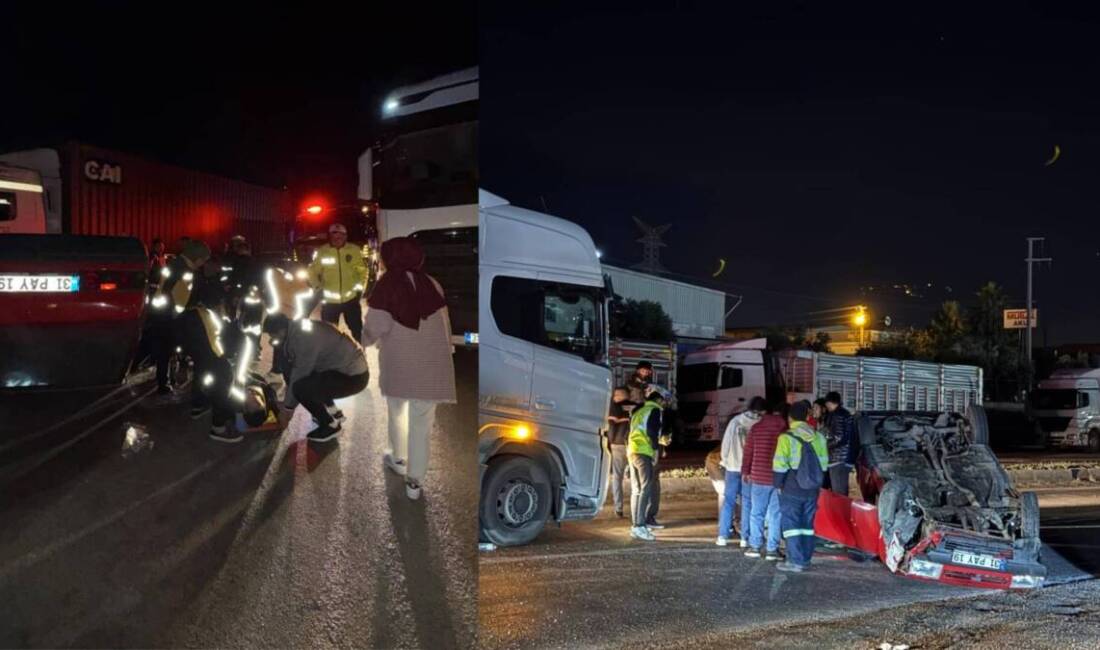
[[340, 273]]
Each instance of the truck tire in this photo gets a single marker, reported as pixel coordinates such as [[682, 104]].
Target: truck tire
[[515, 501], [1029, 515], [979, 425], [866, 429]]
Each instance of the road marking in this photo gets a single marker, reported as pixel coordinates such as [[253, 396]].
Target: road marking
[[600, 553]]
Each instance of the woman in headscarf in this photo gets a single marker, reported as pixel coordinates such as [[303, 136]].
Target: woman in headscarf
[[407, 318]]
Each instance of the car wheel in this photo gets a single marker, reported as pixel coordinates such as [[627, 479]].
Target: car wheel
[[979, 424], [515, 501]]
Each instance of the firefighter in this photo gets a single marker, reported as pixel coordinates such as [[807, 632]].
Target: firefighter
[[179, 285], [340, 273], [289, 295]]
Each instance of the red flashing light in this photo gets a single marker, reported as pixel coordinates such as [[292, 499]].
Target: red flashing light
[[108, 286], [314, 209]]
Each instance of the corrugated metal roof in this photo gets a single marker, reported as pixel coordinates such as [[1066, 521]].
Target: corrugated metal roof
[[695, 310]]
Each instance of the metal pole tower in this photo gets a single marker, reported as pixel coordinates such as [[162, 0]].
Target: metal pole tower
[[1031, 259]]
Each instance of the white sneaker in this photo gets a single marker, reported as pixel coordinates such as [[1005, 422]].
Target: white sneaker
[[396, 466], [642, 533], [412, 489], [744, 544], [721, 541]]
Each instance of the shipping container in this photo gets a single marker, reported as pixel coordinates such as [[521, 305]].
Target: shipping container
[[90, 190], [695, 311]]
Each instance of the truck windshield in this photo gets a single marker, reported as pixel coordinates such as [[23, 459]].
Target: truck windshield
[[1046, 399], [433, 167], [450, 256], [697, 378], [565, 317]]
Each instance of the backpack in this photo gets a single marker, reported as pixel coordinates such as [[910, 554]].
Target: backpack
[[808, 475]]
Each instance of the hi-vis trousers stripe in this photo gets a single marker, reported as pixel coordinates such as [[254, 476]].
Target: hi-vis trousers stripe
[[796, 532]]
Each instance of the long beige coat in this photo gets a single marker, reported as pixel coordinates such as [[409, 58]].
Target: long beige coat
[[413, 364]]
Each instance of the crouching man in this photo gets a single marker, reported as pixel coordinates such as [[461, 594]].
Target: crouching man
[[324, 365]]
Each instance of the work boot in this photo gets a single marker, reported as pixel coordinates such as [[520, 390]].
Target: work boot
[[790, 568], [225, 434], [396, 466], [324, 433]]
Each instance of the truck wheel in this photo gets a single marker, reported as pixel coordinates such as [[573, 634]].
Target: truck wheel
[[866, 430], [979, 425], [515, 501], [1094, 441], [1029, 515]]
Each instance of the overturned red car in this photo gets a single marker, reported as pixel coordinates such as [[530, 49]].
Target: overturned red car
[[937, 505]]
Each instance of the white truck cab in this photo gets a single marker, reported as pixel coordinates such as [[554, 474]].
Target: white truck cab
[[22, 209], [716, 383], [544, 381], [1066, 408]]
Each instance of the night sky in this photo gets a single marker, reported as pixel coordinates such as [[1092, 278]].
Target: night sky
[[272, 95], [816, 151]]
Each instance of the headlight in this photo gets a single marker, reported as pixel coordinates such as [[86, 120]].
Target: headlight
[[925, 569], [1027, 582]]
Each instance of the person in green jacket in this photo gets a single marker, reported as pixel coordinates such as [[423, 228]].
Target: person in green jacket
[[799, 480], [641, 449], [340, 273]]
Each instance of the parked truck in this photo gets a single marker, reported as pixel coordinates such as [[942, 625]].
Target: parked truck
[[89, 190], [1066, 409], [74, 222], [544, 382], [717, 382]]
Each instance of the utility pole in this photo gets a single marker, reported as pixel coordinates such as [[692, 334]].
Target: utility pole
[[1031, 259]]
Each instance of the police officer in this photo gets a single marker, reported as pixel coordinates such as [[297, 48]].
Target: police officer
[[339, 272]]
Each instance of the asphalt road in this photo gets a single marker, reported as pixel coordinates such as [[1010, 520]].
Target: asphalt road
[[589, 585], [125, 526]]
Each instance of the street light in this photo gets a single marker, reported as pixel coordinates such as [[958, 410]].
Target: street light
[[859, 319]]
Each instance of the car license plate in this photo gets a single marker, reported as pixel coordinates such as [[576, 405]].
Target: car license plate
[[978, 559], [39, 283]]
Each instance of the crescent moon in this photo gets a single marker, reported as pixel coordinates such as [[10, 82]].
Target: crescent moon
[[721, 267], [1057, 152]]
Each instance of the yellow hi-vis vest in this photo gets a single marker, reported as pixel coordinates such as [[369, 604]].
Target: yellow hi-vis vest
[[340, 273], [638, 443]]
